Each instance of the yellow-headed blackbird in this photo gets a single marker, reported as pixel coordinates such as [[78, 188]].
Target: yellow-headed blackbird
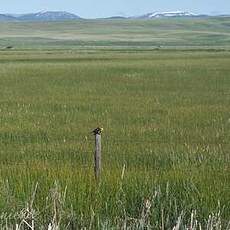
[[98, 130]]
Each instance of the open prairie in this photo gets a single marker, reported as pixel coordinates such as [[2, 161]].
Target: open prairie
[[140, 34], [165, 144]]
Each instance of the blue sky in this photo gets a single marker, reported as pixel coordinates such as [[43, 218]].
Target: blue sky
[[104, 8]]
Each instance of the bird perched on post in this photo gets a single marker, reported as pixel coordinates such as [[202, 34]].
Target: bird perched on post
[[98, 130]]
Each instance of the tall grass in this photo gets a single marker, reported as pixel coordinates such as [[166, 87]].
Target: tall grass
[[165, 116], [160, 210]]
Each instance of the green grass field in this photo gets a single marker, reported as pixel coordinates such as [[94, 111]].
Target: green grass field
[[139, 34], [165, 145]]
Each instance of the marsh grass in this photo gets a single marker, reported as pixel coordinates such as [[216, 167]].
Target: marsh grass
[[159, 210], [165, 116]]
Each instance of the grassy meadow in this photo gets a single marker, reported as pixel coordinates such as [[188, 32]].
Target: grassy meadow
[[173, 33], [165, 145]]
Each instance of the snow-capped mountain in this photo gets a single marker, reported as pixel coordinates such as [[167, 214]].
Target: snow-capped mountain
[[48, 16], [63, 16], [168, 14]]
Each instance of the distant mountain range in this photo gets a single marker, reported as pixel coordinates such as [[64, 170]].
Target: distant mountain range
[[62, 15], [4, 17], [40, 16]]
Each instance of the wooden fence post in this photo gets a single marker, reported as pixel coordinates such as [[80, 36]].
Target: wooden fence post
[[97, 156]]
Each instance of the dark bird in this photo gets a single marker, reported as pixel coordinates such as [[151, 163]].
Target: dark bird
[[98, 130]]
